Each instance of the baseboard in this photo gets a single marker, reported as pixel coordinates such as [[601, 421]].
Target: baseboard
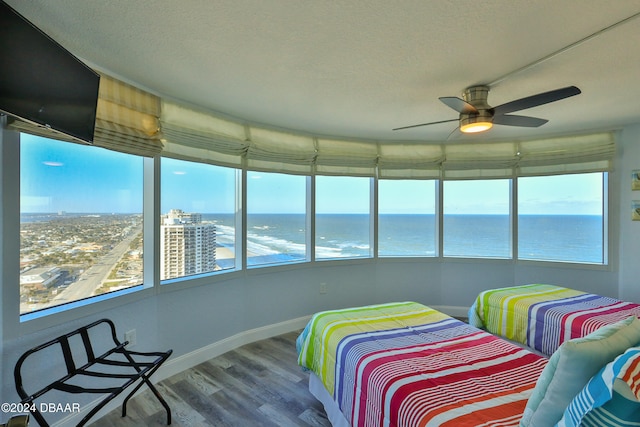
[[189, 360]]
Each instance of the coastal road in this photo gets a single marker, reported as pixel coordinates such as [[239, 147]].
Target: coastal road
[[93, 277]]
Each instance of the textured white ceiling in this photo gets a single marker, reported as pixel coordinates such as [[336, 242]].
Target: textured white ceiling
[[359, 68]]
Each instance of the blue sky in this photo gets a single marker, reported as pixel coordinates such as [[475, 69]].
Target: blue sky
[[58, 176], [195, 187], [102, 181]]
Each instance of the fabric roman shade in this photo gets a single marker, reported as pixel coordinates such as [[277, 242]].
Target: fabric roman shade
[[194, 135], [476, 160], [283, 152], [337, 157], [129, 120], [410, 161], [126, 120], [580, 153], [201, 136]]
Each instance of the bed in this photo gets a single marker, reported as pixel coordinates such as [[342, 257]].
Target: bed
[[405, 364], [543, 316]]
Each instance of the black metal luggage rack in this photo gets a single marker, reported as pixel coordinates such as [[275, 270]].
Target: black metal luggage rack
[[117, 363]]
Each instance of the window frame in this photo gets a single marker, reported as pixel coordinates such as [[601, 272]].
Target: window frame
[[307, 223], [239, 259], [512, 227], [15, 324], [146, 187], [372, 214], [606, 226], [436, 250]]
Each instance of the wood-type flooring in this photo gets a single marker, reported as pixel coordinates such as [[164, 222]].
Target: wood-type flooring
[[259, 384]]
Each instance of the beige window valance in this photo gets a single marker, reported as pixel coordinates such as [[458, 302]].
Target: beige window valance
[[134, 121], [196, 135]]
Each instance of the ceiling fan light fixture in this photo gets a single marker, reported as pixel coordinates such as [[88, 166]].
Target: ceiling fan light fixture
[[476, 127], [474, 123]]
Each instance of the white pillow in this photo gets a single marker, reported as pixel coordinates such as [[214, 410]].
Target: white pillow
[[571, 367]]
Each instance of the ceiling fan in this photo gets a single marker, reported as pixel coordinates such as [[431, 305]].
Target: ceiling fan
[[476, 115]]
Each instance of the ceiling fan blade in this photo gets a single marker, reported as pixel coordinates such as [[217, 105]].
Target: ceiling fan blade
[[535, 100], [513, 120], [460, 105], [426, 124]]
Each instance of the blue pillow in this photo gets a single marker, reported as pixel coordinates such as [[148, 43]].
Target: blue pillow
[[572, 365], [608, 398]]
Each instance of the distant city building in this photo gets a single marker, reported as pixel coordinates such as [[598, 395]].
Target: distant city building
[[44, 277], [177, 216], [187, 246]]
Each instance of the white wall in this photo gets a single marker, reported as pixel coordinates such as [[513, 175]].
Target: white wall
[[629, 160], [190, 318], [187, 320]]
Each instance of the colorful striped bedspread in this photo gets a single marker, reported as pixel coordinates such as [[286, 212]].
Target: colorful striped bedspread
[[405, 364], [544, 316]]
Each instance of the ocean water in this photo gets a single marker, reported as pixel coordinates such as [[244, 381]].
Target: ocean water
[[573, 238], [281, 238]]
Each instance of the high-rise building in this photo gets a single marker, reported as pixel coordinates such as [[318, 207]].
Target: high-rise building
[[187, 246]]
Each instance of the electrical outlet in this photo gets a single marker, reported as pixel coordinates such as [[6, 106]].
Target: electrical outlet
[[323, 288], [131, 337]]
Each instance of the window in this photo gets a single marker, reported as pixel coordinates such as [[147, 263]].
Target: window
[[276, 218], [198, 218], [476, 218], [343, 209], [406, 218], [561, 218], [80, 222]]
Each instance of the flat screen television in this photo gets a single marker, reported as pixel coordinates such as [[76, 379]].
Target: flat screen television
[[43, 83]]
